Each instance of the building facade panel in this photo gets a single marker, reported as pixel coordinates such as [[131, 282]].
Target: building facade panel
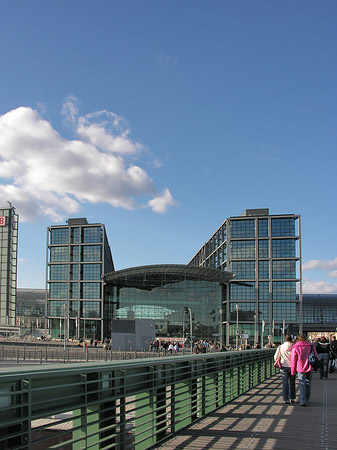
[[263, 251], [9, 222], [78, 255]]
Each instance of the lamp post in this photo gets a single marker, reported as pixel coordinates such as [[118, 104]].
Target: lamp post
[[84, 311], [221, 331], [65, 335], [237, 325], [189, 311], [255, 330]]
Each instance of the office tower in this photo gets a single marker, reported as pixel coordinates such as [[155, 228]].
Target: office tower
[[264, 251], [9, 221], [78, 255]]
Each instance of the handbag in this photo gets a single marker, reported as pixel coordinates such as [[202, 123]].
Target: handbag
[[278, 364], [313, 360]]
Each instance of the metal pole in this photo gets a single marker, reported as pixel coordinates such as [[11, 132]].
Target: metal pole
[[184, 332], [237, 326], [65, 335], [221, 331], [191, 330]]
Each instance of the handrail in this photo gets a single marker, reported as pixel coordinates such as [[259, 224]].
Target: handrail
[[124, 405]]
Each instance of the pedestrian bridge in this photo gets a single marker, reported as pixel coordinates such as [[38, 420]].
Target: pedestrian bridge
[[229, 400]]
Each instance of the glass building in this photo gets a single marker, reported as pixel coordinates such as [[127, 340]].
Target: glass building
[[163, 293], [78, 256], [264, 252], [9, 221]]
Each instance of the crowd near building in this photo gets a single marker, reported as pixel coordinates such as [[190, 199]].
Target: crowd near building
[[242, 287]]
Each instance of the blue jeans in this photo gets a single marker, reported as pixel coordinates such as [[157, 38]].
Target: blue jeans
[[304, 379], [324, 357], [288, 382]]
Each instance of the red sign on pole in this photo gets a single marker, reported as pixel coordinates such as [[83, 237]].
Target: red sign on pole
[[2, 221]]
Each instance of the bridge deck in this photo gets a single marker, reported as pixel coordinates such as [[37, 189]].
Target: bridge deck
[[259, 420]]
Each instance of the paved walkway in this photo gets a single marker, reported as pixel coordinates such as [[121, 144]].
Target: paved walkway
[[259, 420]]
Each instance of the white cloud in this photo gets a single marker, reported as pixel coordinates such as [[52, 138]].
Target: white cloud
[[47, 174], [333, 274], [319, 287], [161, 203], [167, 61], [320, 264], [70, 109]]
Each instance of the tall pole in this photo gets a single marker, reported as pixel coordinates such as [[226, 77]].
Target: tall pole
[[237, 326], [191, 330], [221, 332], [184, 332], [84, 327], [65, 334]]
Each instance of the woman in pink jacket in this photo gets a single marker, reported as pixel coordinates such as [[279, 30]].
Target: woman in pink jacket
[[300, 364]]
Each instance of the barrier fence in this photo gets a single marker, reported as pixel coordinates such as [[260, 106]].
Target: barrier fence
[[123, 405]]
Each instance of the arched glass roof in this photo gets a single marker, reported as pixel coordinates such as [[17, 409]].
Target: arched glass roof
[[149, 277]]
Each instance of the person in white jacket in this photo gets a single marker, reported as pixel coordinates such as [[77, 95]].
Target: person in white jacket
[[283, 352]]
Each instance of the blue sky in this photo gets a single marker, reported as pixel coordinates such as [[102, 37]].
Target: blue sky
[[162, 118]]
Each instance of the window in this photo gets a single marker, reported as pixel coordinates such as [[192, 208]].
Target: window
[[263, 227], [244, 269], [242, 249], [263, 270], [238, 292], [91, 272], [284, 269], [74, 235], [59, 254], [283, 227], [74, 272], [246, 311], [90, 309], [74, 253], [92, 235], [73, 290], [285, 311], [91, 253], [263, 248], [58, 272], [59, 236], [283, 248], [58, 290], [264, 290], [91, 290], [284, 290], [242, 228]]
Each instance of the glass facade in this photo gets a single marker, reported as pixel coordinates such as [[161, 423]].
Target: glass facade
[[9, 221], [264, 254], [75, 295], [165, 305]]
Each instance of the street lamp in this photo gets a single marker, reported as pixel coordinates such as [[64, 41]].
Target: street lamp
[[65, 335], [237, 325], [84, 311], [188, 311], [221, 332]]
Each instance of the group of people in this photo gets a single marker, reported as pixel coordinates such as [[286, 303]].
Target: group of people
[[294, 358]]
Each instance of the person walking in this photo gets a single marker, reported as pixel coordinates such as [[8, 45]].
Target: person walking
[[323, 350], [333, 353], [288, 380], [301, 365]]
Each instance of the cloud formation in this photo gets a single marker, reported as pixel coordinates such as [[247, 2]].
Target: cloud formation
[[318, 287], [320, 264], [46, 174]]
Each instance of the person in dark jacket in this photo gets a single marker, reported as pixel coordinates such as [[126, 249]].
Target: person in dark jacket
[[333, 353], [323, 350]]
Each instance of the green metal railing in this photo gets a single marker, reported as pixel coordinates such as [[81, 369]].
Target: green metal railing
[[121, 405]]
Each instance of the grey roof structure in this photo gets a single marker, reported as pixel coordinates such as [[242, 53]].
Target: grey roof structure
[[150, 277]]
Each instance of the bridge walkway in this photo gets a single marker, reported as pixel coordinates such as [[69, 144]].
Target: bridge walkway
[[259, 420]]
